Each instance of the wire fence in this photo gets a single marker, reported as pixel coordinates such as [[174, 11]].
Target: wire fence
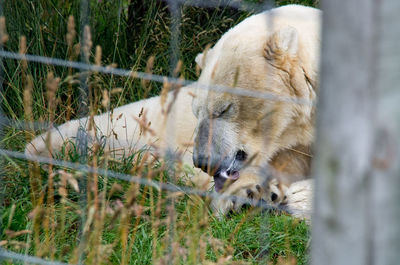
[[152, 77], [86, 68]]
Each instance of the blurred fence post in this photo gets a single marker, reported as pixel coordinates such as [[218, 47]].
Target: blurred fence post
[[2, 120], [85, 41], [357, 166], [81, 137]]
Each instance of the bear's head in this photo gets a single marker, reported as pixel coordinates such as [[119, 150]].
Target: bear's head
[[272, 74]]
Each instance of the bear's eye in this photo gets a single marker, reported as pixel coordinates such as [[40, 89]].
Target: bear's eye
[[222, 111]]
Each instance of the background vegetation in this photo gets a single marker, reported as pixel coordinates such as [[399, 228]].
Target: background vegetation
[[44, 213]]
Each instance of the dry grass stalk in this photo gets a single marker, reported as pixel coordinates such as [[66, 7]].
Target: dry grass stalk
[[52, 86], [71, 32], [76, 50], [138, 212], [144, 124], [171, 228], [105, 102], [142, 163], [11, 234], [291, 260], [3, 31], [27, 84], [49, 222], [73, 51], [176, 88], [22, 51], [93, 179], [178, 68], [198, 68], [27, 97], [95, 83], [149, 70], [87, 43], [131, 198], [138, 215], [94, 198], [35, 181], [164, 94], [70, 37], [156, 220], [116, 90], [98, 55]]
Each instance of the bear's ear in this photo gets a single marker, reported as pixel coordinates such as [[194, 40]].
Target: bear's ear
[[199, 60], [282, 42]]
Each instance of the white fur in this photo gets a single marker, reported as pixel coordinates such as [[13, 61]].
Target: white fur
[[299, 198]]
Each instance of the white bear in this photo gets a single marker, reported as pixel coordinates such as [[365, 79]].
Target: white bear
[[273, 58]]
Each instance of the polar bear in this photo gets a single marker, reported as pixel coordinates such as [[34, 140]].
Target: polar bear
[[253, 147]]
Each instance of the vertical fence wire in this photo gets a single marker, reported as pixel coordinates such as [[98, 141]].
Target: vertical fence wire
[[264, 169], [175, 15], [84, 23], [84, 102], [2, 121]]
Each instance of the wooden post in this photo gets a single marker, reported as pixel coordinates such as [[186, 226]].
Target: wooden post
[[386, 160], [357, 165]]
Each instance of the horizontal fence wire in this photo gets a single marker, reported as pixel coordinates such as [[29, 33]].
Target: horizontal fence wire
[[152, 77], [136, 179], [10, 255], [236, 4], [24, 124]]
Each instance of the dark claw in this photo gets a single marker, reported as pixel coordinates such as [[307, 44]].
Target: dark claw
[[245, 206], [250, 193], [230, 214], [274, 196]]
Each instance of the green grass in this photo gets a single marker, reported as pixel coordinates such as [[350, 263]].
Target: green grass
[[55, 221], [243, 236]]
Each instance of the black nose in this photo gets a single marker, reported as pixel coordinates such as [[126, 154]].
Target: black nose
[[241, 155], [200, 162], [205, 163]]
